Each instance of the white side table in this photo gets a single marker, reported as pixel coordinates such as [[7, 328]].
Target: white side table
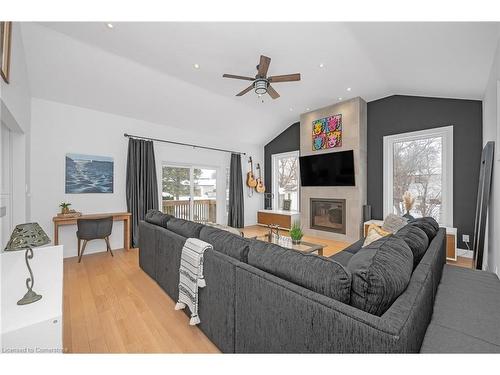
[[37, 327]]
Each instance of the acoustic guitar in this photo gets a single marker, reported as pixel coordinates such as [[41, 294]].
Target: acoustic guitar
[[251, 181], [260, 188]]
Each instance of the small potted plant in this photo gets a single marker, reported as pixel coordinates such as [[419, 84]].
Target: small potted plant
[[65, 207], [296, 233]]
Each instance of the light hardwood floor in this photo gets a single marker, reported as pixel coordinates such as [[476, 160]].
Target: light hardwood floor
[[112, 306]]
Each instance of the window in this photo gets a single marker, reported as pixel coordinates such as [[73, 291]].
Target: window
[[190, 192], [285, 182], [421, 163]]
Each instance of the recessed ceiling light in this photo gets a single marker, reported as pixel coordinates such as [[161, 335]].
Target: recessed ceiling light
[[307, 109], [321, 65], [339, 98], [291, 109], [109, 25], [348, 89], [196, 66]]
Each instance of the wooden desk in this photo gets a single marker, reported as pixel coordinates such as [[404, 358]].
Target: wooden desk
[[117, 216]]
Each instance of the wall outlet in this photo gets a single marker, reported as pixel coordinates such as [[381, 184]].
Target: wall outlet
[[465, 237]]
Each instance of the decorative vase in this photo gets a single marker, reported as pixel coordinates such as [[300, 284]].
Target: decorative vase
[[296, 242], [65, 210], [408, 216]]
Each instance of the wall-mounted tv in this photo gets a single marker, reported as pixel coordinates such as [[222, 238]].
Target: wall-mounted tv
[[328, 169]]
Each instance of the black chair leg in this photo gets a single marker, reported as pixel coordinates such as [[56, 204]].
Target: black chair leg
[[79, 246], [83, 249], [108, 246]]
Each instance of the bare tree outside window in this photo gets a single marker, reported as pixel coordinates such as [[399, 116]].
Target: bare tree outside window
[[417, 168], [288, 180]]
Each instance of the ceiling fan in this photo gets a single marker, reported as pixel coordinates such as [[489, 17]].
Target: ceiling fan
[[261, 84]]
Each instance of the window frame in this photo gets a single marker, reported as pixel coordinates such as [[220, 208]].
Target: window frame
[[275, 187], [446, 133]]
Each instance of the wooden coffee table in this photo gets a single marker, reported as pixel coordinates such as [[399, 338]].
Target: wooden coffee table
[[286, 242]]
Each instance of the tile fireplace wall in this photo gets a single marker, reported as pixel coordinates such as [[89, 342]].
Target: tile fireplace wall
[[353, 138]]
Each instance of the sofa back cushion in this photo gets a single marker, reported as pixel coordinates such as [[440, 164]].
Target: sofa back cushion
[[185, 228], [416, 239], [428, 225], [319, 274], [157, 217], [380, 272], [227, 243]]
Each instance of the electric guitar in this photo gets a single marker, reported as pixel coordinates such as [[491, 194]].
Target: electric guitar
[[260, 188], [251, 181]]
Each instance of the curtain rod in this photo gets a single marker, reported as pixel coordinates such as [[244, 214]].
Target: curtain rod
[[182, 144]]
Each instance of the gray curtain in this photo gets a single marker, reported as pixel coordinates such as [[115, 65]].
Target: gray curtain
[[142, 185], [236, 215]]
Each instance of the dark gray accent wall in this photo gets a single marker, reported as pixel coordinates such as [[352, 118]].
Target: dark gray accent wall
[[288, 140], [399, 114]]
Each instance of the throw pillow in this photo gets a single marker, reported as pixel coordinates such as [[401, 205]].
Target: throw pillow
[[380, 273], [374, 233], [393, 223]]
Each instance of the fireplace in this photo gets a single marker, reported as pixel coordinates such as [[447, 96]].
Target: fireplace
[[328, 215]]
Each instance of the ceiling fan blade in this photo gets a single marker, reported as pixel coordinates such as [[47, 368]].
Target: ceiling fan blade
[[272, 92], [245, 91], [264, 65], [285, 78], [238, 77]]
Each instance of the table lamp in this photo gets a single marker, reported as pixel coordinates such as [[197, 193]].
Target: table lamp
[[26, 236]]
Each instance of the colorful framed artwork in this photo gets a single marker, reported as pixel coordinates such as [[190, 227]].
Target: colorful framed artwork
[[327, 133], [88, 174]]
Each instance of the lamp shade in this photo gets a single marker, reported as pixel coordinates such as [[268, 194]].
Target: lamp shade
[[26, 236]]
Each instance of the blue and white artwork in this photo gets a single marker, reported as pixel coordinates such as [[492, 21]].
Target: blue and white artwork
[[88, 174]]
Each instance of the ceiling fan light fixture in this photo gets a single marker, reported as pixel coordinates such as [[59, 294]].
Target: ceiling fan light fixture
[[260, 86]]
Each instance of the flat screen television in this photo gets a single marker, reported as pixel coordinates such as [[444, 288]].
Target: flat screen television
[[330, 169]]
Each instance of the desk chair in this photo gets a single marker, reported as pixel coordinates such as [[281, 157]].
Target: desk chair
[[93, 229]]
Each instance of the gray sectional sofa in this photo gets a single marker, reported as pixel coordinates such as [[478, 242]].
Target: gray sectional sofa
[[261, 298]]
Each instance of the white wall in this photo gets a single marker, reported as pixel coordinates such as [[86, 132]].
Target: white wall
[[16, 114], [58, 129], [491, 132]]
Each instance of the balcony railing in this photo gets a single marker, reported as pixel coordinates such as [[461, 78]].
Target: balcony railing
[[204, 210]]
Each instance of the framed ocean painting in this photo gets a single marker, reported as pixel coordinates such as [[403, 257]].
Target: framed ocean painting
[[327, 132], [89, 174]]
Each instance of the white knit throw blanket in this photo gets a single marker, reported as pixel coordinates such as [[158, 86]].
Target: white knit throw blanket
[[191, 276]]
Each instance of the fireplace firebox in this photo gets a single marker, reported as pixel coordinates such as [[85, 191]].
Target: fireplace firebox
[[328, 215]]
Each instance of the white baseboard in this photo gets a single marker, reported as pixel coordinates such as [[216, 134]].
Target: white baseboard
[[465, 253]]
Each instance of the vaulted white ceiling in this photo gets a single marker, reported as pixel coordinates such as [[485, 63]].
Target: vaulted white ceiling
[[145, 70]]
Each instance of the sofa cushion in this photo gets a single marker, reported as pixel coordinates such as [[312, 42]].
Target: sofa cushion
[[428, 225], [342, 257], [157, 217], [416, 239], [185, 228], [355, 247], [227, 243], [380, 272], [319, 274], [465, 318]]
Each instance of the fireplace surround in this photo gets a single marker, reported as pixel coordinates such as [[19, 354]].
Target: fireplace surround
[[328, 215]]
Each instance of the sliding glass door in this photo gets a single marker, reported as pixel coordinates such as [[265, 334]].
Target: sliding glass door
[[190, 192]]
